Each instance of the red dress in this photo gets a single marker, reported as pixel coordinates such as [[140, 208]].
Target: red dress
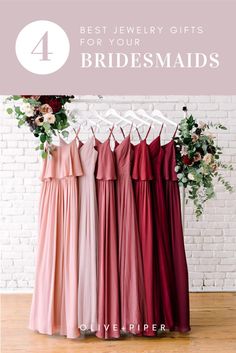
[[142, 175], [163, 255], [130, 257], [173, 208], [108, 281]]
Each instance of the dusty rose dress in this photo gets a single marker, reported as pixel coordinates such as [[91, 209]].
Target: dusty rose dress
[[108, 281], [130, 257], [55, 300], [88, 229]]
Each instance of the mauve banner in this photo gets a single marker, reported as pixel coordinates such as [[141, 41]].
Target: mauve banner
[[118, 47]]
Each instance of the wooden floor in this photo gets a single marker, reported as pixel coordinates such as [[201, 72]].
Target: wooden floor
[[213, 321]]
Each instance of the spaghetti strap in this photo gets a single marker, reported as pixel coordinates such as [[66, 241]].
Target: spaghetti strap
[[122, 132], [161, 129], [77, 133], [131, 127], [148, 131], [111, 132], [92, 129], [140, 138], [175, 131]]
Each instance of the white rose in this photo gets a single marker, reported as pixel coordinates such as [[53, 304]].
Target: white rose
[[50, 118], [190, 176], [27, 109]]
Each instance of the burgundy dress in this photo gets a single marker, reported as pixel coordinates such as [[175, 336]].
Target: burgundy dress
[[108, 283], [172, 196], [142, 175], [163, 257], [130, 257]]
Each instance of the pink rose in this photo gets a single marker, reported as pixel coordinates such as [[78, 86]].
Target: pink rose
[[45, 108]]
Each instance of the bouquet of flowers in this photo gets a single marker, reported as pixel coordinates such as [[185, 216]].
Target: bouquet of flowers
[[45, 115], [198, 161]]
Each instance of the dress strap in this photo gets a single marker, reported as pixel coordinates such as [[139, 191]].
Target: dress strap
[[175, 131], [140, 138], [161, 129], [93, 132], [148, 131], [77, 133], [131, 127], [111, 132], [122, 131]]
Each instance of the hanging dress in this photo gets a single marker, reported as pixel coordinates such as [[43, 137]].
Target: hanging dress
[[108, 280], [142, 175], [88, 228], [173, 208], [163, 255], [130, 257], [55, 300]]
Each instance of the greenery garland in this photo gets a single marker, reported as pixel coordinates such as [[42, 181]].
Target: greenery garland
[[198, 161], [45, 116]]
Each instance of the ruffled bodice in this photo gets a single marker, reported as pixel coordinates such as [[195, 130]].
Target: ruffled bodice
[[106, 161], [65, 162], [142, 168]]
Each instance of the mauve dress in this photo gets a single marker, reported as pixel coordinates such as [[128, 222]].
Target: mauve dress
[[88, 232], [54, 306], [180, 271], [142, 176], [163, 254], [108, 277], [130, 257]]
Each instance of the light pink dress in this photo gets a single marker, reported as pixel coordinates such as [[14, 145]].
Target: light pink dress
[[88, 229], [55, 300]]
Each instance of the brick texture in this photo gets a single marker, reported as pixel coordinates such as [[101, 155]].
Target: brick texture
[[210, 243]]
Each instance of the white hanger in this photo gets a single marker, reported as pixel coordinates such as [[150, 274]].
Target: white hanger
[[161, 116], [100, 117], [113, 112], [147, 116], [133, 115]]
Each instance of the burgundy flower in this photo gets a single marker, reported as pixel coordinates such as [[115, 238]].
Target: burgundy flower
[[186, 160], [55, 104], [45, 99]]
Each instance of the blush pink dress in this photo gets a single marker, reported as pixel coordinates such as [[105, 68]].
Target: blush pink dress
[[54, 306], [88, 229], [108, 279], [130, 257]]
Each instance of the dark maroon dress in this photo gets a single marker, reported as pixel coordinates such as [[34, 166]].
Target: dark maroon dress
[[180, 271], [162, 247], [142, 175]]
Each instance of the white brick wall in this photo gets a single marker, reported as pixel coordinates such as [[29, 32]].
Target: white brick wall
[[210, 243]]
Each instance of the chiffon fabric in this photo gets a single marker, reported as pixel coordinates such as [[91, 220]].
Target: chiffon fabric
[[142, 176], [110, 255], [108, 277], [54, 306], [164, 265], [180, 270], [130, 257], [88, 229]]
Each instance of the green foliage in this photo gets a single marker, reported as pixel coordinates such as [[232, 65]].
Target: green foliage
[[198, 161]]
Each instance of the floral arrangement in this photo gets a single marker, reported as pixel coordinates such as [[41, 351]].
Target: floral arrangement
[[198, 161], [45, 115]]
